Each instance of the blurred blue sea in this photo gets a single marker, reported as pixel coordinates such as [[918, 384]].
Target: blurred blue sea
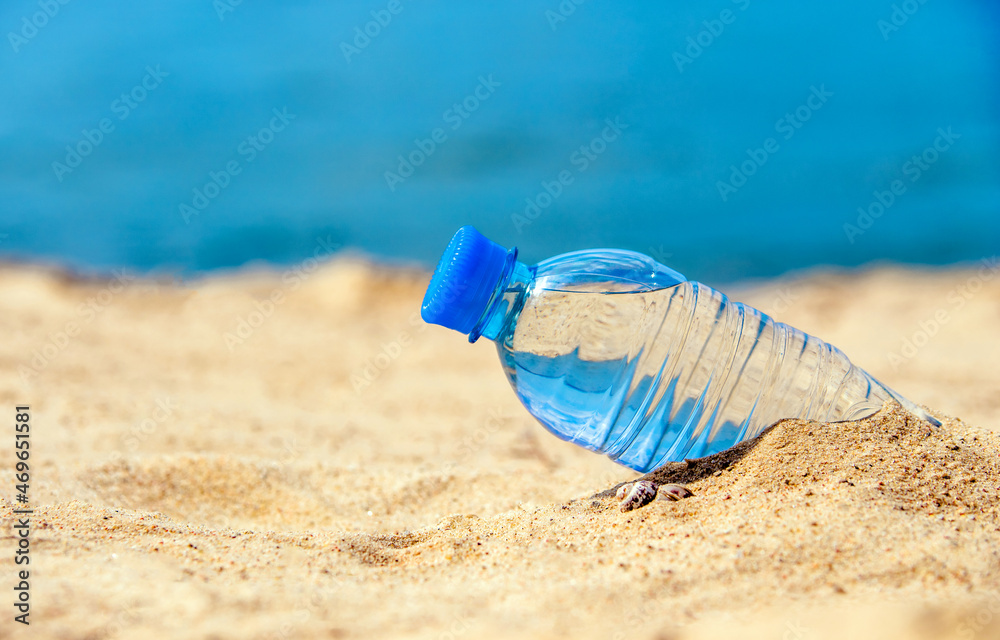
[[187, 92]]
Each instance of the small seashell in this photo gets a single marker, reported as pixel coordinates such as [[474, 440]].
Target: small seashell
[[639, 494], [623, 491], [673, 492]]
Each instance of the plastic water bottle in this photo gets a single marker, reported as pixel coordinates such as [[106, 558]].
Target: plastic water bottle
[[619, 354]]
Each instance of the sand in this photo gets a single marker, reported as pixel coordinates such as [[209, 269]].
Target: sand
[[294, 454]]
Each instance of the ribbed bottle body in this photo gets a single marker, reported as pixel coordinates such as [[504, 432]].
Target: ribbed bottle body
[[649, 376]]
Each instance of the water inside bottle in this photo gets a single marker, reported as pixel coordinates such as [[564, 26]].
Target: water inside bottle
[[649, 376]]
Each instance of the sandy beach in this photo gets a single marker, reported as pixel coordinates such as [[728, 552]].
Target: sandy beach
[[285, 454]]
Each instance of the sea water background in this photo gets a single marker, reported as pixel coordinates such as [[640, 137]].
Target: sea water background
[[654, 189]]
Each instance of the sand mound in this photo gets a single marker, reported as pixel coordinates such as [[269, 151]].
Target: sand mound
[[891, 460]]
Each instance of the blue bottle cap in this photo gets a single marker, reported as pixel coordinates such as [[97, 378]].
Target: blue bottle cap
[[463, 281]]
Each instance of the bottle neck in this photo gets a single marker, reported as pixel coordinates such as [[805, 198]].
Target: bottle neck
[[506, 301]]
